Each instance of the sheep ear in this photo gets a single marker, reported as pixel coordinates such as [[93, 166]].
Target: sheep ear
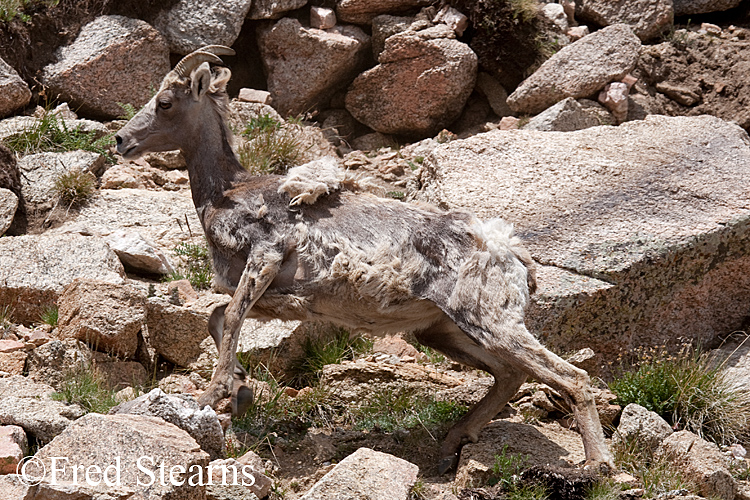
[[200, 80], [219, 83]]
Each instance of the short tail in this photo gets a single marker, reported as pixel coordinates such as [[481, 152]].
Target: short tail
[[498, 237]]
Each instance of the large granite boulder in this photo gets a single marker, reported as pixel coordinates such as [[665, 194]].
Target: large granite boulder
[[113, 60], [363, 11], [14, 92], [306, 66], [191, 24], [647, 18], [579, 69], [689, 7], [420, 86], [34, 269], [642, 230]]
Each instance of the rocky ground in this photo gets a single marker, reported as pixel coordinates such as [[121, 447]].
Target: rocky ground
[[613, 135]]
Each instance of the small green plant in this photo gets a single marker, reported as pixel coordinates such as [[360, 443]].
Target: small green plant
[[128, 110], [49, 315], [197, 267], [74, 187], [524, 10], [396, 195], [657, 474], [418, 491], [507, 468], [272, 147], [329, 348], [603, 490], [690, 391], [85, 387], [14, 9], [6, 312], [404, 409], [50, 133]]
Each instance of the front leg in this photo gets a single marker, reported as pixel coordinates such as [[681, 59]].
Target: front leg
[[255, 279]]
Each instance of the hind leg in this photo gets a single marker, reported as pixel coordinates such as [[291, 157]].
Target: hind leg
[[518, 347], [447, 338]]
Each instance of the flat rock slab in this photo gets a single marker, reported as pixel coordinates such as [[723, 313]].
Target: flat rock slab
[[164, 217], [642, 229], [366, 475], [34, 269]]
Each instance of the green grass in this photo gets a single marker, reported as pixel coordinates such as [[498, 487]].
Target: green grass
[[74, 187], [404, 409], [507, 468], [657, 474], [50, 133], [690, 391], [197, 266], [86, 388], [524, 10], [603, 490], [272, 147], [49, 315], [331, 347], [15, 9]]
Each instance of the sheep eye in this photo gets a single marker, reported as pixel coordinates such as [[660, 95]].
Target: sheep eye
[[165, 104]]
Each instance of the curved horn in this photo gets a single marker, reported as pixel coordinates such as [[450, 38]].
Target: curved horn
[[219, 50], [193, 60]]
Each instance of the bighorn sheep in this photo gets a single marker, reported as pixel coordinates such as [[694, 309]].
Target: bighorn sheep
[[305, 247]]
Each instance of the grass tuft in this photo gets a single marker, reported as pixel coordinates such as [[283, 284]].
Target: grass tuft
[[74, 187], [329, 348], [690, 391], [388, 411], [49, 315], [50, 133], [85, 387], [657, 474], [272, 147], [197, 267]]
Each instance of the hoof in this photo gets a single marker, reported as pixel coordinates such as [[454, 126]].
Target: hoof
[[447, 463], [242, 401]]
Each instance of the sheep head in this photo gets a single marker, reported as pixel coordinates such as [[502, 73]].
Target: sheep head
[[189, 96]]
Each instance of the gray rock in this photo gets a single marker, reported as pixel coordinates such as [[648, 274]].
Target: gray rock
[[322, 18], [636, 251], [57, 360], [647, 18], [688, 7], [165, 218], [113, 60], [8, 207], [191, 24], [495, 93], [565, 116], [385, 26], [40, 171], [176, 332], [701, 463], [420, 86], [273, 9], [42, 418], [137, 253], [328, 59], [260, 487], [183, 411], [106, 316], [555, 13], [16, 488], [644, 426], [34, 269], [578, 70], [735, 356], [366, 475], [109, 440], [14, 92], [363, 11]]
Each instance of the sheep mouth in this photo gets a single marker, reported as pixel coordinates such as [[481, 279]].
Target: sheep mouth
[[128, 152]]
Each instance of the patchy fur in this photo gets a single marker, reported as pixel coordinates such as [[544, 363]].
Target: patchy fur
[[313, 246]]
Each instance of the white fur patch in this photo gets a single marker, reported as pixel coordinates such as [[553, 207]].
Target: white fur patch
[[308, 182]]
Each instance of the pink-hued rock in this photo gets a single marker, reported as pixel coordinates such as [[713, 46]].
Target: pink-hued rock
[[363, 11], [7, 346], [614, 97], [253, 95], [14, 92], [322, 18], [113, 60], [13, 447]]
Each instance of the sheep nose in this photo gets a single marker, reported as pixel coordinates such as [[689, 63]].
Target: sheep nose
[[118, 139]]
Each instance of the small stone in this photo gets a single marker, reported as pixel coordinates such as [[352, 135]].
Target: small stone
[[253, 95], [614, 97], [455, 20], [509, 123], [577, 32], [322, 18], [13, 447], [7, 346]]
